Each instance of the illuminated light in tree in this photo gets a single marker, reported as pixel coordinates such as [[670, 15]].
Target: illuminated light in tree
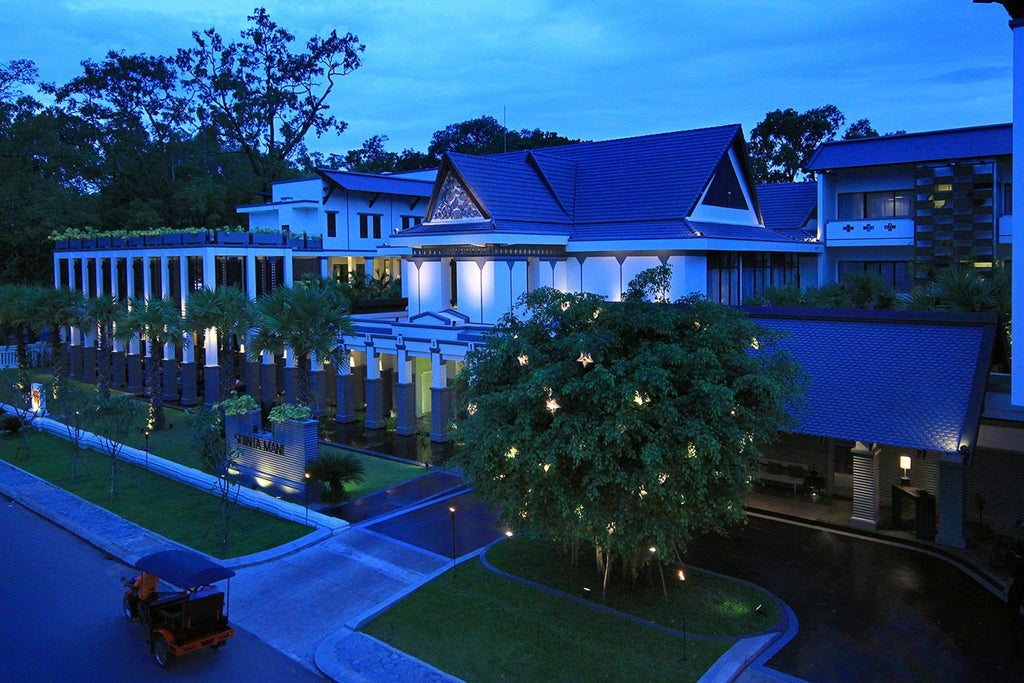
[[565, 305], [662, 477], [552, 405], [597, 312], [585, 359], [611, 528], [641, 399], [696, 324], [523, 359], [579, 511], [471, 409], [547, 466], [511, 453], [643, 491], [691, 451], [755, 344]]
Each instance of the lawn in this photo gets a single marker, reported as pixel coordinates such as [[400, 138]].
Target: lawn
[[482, 626], [181, 513]]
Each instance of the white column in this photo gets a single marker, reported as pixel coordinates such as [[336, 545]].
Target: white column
[[147, 278], [129, 271], [165, 276], [289, 271], [56, 270], [250, 275], [1017, 274], [209, 271]]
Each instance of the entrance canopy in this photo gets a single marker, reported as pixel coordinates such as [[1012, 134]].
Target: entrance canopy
[[913, 380]]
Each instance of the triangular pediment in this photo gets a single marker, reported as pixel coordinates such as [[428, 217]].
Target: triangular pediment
[[454, 202]]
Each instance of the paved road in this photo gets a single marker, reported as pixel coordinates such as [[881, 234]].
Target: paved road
[[870, 611], [61, 618]]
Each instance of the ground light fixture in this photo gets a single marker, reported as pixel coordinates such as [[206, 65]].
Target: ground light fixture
[[306, 490], [681, 575], [451, 512], [905, 466], [145, 433]]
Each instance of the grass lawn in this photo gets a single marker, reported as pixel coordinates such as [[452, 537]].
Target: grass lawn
[[480, 626], [179, 512], [174, 444], [484, 627], [709, 603]]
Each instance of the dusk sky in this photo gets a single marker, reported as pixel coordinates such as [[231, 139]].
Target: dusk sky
[[591, 70]]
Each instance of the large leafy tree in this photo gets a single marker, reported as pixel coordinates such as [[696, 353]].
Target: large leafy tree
[[629, 424], [261, 98], [308, 319], [485, 135], [782, 144]]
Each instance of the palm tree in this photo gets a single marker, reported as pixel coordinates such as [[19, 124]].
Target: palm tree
[[100, 313], [229, 311], [56, 309], [16, 322], [160, 322], [308, 318]]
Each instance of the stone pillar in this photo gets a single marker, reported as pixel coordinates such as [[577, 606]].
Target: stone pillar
[[170, 370], [318, 394], [211, 369], [951, 501], [75, 354], [268, 381], [345, 389], [134, 363], [405, 397], [250, 275], [865, 486], [89, 358], [440, 400], [117, 366], [291, 377], [374, 392]]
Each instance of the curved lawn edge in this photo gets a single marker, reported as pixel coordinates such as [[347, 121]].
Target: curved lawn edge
[[786, 624]]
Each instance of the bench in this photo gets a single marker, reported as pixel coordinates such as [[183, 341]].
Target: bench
[[789, 475]]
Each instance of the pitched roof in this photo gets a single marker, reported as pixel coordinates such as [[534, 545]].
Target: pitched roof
[[640, 187], [940, 145], [915, 380], [383, 184], [787, 207]]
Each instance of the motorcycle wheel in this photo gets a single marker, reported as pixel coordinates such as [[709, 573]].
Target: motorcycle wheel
[[162, 652]]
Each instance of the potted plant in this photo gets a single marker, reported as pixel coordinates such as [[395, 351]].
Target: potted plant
[[289, 412]]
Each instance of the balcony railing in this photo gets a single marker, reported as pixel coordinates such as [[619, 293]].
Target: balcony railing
[[194, 239]]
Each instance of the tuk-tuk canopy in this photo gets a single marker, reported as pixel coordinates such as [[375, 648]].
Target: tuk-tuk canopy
[[183, 568]]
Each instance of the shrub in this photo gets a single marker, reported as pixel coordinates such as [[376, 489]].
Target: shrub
[[289, 411], [10, 423], [335, 471]]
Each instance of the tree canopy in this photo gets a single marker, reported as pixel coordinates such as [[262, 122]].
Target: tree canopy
[[783, 142], [629, 424]]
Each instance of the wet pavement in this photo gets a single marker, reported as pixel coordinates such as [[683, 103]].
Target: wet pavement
[[870, 610], [423, 488]]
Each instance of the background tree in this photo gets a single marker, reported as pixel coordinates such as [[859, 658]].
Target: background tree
[[260, 98], [484, 135], [782, 144], [629, 424], [373, 158]]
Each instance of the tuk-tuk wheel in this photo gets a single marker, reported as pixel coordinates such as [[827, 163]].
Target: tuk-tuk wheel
[[126, 606], [162, 652]]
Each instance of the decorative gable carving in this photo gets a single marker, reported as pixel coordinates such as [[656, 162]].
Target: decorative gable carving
[[454, 202]]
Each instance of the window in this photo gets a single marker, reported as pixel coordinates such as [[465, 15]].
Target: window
[[885, 204], [1007, 198], [332, 223], [365, 220], [895, 273], [733, 279], [409, 221], [725, 190]]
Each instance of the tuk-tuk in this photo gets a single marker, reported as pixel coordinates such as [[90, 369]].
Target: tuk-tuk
[[184, 620]]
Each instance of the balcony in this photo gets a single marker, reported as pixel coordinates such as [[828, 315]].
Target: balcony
[[870, 232]]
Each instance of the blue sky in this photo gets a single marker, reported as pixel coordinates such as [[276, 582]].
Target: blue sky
[[586, 69]]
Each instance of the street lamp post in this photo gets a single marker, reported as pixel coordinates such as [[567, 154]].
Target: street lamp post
[[145, 433], [451, 511], [681, 575]]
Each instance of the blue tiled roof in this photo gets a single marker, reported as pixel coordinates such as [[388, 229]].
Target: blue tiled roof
[[728, 231], [909, 380], [958, 143], [641, 187], [788, 207], [385, 184]]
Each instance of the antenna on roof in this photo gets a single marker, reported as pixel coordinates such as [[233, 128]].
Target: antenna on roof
[[504, 129]]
